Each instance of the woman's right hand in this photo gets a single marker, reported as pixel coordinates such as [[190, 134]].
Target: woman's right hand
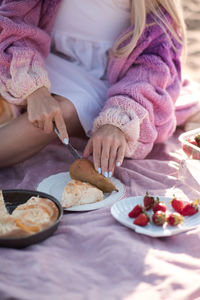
[[43, 110]]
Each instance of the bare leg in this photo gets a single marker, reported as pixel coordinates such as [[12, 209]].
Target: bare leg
[[20, 139]]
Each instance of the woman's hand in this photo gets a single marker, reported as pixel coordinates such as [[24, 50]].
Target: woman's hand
[[43, 110], [108, 145]]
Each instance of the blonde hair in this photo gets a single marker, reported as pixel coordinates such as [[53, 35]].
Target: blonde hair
[[139, 11]]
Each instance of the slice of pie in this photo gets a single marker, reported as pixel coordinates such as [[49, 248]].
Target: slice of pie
[[3, 210], [36, 214], [28, 218], [8, 226], [78, 193]]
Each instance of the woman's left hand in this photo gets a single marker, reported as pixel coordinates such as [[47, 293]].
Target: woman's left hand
[[108, 145]]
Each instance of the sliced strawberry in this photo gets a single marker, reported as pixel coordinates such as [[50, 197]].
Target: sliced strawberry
[[158, 205], [177, 204], [141, 220], [175, 219], [190, 208], [148, 201], [136, 211], [159, 218]]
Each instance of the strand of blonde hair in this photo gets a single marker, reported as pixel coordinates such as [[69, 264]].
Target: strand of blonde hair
[[139, 11]]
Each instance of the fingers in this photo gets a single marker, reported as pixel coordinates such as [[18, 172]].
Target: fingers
[[45, 124], [94, 148], [41, 124], [112, 160], [97, 148], [107, 155], [35, 123], [88, 149], [48, 126], [60, 124], [109, 145], [38, 124], [120, 155]]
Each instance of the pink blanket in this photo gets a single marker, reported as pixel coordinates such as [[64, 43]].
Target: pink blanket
[[92, 256]]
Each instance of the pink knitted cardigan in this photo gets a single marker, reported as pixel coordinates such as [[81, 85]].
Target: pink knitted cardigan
[[24, 44], [143, 90], [143, 87]]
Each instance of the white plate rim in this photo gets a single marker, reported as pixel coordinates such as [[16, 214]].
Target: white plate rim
[[108, 201]]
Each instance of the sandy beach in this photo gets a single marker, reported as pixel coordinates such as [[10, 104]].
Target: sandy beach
[[192, 19]]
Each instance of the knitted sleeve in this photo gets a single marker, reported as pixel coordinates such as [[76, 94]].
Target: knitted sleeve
[[23, 46], [143, 91]]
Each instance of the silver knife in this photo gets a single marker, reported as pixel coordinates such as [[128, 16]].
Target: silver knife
[[73, 151]]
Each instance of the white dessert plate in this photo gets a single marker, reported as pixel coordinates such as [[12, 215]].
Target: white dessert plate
[[120, 210], [54, 185]]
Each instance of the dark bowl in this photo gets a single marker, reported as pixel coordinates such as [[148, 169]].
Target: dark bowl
[[12, 199]]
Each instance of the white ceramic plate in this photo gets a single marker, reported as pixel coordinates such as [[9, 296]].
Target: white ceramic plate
[[120, 210], [54, 185]]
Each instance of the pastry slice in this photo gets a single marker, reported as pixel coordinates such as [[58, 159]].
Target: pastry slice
[[28, 218], [43, 204], [36, 214], [3, 210], [8, 226], [78, 193]]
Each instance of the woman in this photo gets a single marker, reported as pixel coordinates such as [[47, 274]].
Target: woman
[[124, 111]]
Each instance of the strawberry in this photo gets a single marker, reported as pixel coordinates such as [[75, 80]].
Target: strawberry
[[187, 150], [177, 204], [193, 143], [141, 220], [159, 217], [175, 219], [136, 211], [148, 201], [159, 206], [197, 139], [190, 208]]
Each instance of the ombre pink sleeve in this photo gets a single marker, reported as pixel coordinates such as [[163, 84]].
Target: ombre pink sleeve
[[143, 91], [23, 48]]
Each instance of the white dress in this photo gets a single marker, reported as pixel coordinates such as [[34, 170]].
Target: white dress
[[83, 32]]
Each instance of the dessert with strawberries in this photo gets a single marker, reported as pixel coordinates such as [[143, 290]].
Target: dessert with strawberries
[[159, 215], [192, 151]]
